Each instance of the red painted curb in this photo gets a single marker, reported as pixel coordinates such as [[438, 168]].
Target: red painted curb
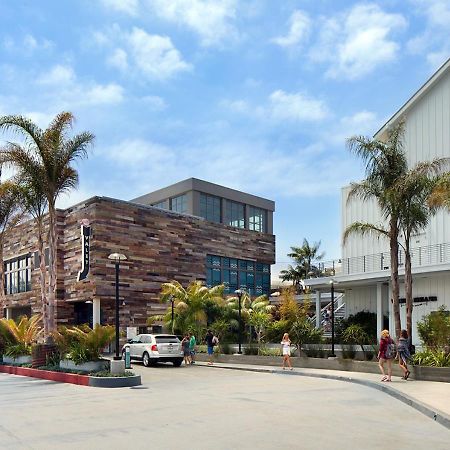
[[62, 377]]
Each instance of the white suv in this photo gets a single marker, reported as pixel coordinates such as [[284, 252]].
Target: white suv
[[153, 348]]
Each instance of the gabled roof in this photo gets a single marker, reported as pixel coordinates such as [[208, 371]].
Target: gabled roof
[[416, 97]]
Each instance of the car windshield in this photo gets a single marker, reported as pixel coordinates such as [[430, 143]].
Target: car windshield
[[167, 339]]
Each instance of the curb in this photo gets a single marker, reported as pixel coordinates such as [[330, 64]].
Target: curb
[[436, 415]]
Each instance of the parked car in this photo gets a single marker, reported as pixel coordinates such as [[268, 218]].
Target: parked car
[[154, 348]]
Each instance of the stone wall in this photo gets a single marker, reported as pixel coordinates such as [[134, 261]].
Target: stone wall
[[160, 246]]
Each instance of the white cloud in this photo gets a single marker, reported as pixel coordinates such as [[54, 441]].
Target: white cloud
[[142, 54], [154, 102], [155, 55], [212, 20], [58, 75], [66, 90], [299, 29], [280, 107], [356, 42], [296, 107], [119, 59], [126, 6], [434, 40], [27, 44]]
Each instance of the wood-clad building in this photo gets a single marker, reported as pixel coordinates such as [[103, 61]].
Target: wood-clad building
[[160, 245]]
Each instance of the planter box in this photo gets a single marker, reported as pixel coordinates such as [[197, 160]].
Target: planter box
[[113, 382], [25, 359], [427, 373], [90, 366]]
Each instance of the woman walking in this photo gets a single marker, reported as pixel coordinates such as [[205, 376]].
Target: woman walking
[[386, 354], [286, 349], [403, 353]]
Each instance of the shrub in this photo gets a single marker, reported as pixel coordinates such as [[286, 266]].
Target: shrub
[[434, 329], [81, 344], [365, 319], [355, 334], [348, 352], [19, 336], [303, 332], [264, 351], [251, 350], [430, 357], [276, 330]]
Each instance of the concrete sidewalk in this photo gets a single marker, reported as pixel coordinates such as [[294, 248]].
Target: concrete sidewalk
[[429, 397]]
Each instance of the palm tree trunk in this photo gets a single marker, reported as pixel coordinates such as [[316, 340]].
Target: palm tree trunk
[[52, 241], [408, 287], [393, 242], [43, 271]]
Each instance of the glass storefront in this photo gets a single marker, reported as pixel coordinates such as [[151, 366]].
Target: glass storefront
[[234, 274]]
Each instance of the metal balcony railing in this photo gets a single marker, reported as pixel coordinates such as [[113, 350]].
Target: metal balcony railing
[[420, 256]]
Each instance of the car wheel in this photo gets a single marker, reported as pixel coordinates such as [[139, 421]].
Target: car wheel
[[177, 362], [146, 359]]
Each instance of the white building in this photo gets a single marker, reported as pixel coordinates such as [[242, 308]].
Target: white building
[[363, 273]]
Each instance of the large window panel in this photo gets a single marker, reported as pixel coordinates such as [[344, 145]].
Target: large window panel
[[210, 208], [235, 214], [257, 219], [234, 274], [179, 204], [17, 275]]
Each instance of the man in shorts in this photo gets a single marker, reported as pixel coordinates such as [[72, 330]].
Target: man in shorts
[[210, 346]]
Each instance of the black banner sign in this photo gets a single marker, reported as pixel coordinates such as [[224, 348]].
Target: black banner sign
[[431, 298], [85, 247]]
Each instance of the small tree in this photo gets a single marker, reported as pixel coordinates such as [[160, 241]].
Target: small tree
[[302, 332], [355, 334]]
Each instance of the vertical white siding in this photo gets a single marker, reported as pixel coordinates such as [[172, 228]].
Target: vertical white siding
[[427, 136]]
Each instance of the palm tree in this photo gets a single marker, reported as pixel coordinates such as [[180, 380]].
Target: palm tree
[[305, 255], [10, 214], [34, 203], [412, 191], [440, 196], [47, 155], [384, 162], [190, 303], [295, 274]]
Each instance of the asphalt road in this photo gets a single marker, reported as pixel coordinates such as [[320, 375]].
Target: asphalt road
[[202, 408]]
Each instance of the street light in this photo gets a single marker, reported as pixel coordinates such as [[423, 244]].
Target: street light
[[239, 293], [332, 319], [172, 301], [117, 257]]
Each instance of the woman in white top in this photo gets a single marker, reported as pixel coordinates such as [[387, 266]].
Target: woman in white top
[[286, 349]]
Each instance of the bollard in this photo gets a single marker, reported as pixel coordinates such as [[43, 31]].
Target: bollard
[[127, 358]]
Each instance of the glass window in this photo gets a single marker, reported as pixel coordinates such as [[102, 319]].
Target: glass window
[[234, 274], [235, 214], [161, 205], [179, 204], [257, 219], [210, 207], [18, 275]]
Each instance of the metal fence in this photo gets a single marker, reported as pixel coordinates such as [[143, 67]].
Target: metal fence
[[420, 256]]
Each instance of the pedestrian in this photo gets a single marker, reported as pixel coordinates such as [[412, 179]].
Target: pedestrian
[[403, 353], [386, 354], [210, 346], [192, 344], [186, 350], [286, 350]]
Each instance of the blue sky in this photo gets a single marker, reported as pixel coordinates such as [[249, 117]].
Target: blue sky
[[257, 95]]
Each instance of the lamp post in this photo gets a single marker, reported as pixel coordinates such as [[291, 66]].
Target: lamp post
[[117, 257], [332, 320], [172, 301], [239, 293]]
